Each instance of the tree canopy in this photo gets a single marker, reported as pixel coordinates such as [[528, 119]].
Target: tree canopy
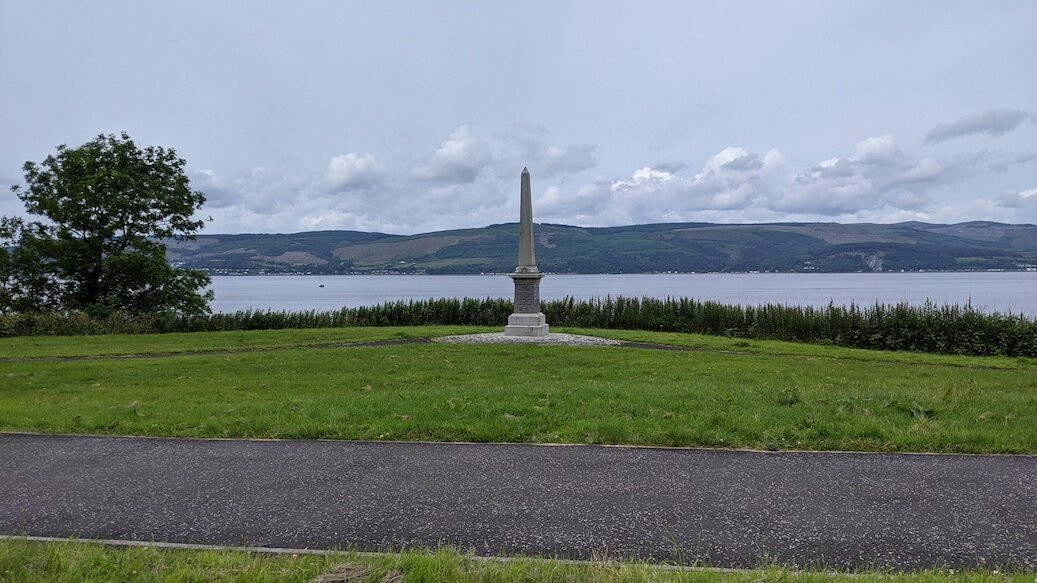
[[105, 210]]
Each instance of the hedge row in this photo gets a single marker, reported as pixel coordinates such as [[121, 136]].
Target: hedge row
[[928, 328]]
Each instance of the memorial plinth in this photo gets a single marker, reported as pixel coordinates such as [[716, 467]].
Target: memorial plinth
[[527, 320]]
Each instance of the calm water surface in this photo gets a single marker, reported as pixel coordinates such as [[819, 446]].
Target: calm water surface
[[995, 291]]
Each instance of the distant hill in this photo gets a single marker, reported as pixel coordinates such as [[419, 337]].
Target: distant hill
[[682, 247]]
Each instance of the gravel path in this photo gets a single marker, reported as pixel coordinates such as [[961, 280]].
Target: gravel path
[[551, 339], [722, 508]]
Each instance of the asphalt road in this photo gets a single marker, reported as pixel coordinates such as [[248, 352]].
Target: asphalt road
[[720, 508]]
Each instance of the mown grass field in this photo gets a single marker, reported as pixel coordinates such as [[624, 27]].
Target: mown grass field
[[74, 562], [725, 393], [186, 342]]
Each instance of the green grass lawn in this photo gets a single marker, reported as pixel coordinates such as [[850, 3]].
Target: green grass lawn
[[82, 562], [728, 393], [778, 348], [134, 344]]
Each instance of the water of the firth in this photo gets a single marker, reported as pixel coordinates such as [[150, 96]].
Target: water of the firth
[[989, 291]]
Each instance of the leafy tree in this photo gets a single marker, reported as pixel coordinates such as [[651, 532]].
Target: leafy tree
[[25, 284], [107, 206]]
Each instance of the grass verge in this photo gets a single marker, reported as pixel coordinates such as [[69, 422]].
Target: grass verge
[[88, 562], [762, 395]]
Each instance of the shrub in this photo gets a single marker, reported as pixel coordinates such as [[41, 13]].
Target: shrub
[[928, 328]]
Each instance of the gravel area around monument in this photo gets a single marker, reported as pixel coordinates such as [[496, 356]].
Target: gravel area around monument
[[552, 339]]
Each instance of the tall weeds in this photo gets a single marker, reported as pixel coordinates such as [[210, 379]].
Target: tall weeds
[[928, 328]]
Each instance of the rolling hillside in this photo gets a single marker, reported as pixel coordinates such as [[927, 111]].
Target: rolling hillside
[[684, 247]]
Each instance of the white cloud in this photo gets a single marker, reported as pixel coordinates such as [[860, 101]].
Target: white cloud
[[589, 204], [459, 159], [348, 172], [993, 122], [469, 181], [878, 182], [878, 150], [731, 179]]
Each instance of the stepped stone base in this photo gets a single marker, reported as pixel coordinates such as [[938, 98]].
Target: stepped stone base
[[527, 324]]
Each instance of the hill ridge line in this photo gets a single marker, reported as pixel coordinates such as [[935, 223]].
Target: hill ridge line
[[643, 248]]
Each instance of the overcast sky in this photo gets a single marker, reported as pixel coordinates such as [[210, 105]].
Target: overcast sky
[[405, 117]]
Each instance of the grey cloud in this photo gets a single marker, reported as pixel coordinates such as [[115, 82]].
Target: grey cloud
[[349, 80], [672, 167], [906, 200], [926, 170], [463, 156], [556, 160], [827, 193], [834, 168], [994, 122], [458, 184], [270, 190], [466, 170], [1017, 198], [878, 175], [459, 159], [589, 204], [732, 179], [994, 161], [308, 204], [530, 145], [261, 191], [963, 165], [9, 202], [748, 161], [217, 192]]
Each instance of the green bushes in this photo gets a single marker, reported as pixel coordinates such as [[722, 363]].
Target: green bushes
[[74, 324], [928, 328]]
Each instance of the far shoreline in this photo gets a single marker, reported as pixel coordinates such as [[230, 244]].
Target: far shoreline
[[569, 273]]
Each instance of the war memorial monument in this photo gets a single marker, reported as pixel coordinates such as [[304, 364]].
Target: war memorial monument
[[527, 324], [527, 320]]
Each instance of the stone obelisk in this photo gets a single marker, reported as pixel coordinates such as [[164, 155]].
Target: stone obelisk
[[527, 320]]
